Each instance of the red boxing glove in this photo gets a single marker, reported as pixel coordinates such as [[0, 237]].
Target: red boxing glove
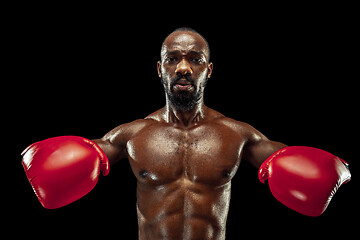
[[63, 169], [304, 178]]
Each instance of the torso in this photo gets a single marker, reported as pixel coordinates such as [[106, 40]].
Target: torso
[[184, 177]]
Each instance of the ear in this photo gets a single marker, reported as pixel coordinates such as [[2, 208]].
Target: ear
[[159, 68], [210, 68]]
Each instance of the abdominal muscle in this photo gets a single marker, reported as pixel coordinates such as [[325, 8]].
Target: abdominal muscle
[[182, 210]]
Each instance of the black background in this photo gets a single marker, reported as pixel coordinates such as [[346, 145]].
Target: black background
[[83, 70]]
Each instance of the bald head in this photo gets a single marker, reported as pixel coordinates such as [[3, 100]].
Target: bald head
[[184, 68], [185, 39]]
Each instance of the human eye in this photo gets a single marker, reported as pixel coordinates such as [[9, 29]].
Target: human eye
[[198, 60], [170, 59]]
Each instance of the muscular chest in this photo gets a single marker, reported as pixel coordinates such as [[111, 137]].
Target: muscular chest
[[204, 154]]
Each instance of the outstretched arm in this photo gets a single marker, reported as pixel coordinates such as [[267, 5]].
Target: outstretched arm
[[113, 150], [114, 142], [259, 147], [63, 169], [303, 178]]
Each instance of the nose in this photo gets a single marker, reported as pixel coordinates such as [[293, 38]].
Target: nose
[[183, 68]]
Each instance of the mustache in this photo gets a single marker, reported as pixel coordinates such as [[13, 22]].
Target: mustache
[[177, 78]]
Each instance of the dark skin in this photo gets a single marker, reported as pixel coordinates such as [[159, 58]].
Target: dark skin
[[184, 160]]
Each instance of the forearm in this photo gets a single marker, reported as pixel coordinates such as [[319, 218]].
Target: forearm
[[304, 178], [63, 169]]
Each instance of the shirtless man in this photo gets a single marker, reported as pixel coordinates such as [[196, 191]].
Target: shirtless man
[[185, 154]]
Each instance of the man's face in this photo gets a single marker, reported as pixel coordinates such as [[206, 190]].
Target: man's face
[[184, 68]]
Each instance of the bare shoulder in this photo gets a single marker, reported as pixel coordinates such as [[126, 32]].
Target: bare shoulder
[[241, 128], [156, 116], [124, 132]]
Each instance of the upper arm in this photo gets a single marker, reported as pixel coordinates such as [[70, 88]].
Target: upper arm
[[258, 147], [114, 142]]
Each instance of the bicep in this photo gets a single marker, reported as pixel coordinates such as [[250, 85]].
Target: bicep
[[258, 147], [113, 152], [257, 152], [114, 144]]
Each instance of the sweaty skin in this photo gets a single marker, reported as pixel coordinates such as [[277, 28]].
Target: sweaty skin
[[184, 158]]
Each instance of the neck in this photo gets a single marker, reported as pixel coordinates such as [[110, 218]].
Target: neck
[[185, 118]]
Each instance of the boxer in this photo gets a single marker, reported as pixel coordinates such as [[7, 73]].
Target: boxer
[[184, 157]]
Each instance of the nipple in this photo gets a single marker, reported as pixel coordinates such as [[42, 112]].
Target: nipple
[[226, 174], [143, 173]]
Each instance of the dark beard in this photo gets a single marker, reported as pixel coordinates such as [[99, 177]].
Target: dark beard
[[183, 101]]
